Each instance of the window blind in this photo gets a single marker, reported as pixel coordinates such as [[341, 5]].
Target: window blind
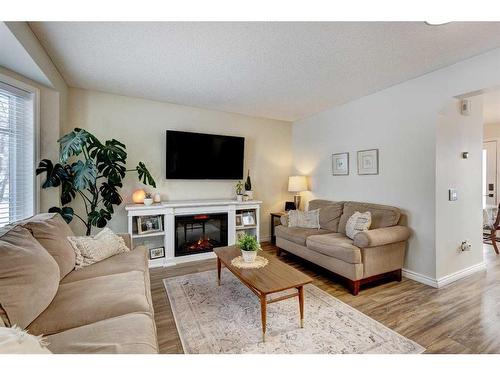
[[17, 154]]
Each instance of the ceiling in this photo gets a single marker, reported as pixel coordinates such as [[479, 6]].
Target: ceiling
[[13, 56], [280, 70]]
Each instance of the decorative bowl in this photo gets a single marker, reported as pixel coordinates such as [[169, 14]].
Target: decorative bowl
[[148, 201]]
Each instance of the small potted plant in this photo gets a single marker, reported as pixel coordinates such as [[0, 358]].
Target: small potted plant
[[249, 246], [239, 191], [148, 199]]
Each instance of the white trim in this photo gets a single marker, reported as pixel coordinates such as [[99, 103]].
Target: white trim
[[452, 277], [445, 280], [420, 278]]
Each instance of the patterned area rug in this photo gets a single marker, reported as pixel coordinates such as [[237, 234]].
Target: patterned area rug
[[226, 319]]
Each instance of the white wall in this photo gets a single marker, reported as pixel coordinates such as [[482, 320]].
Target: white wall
[[402, 122], [458, 220], [141, 124], [491, 131]]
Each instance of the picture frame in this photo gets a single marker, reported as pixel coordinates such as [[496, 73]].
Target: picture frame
[[239, 220], [340, 164], [248, 218], [149, 224], [156, 252], [368, 162]]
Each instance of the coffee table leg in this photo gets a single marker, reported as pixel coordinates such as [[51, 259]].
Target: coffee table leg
[[263, 313], [219, 266], [301, 305]]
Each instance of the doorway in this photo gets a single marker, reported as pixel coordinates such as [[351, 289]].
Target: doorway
[[489, 173]]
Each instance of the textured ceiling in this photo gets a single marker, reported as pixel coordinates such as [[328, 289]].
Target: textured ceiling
[[277, 70]]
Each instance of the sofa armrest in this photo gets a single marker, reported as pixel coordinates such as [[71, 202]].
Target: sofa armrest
[[127, 239], [284, 220], [381, 236]]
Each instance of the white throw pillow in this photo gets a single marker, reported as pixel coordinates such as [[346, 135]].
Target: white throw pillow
[[304, 219], [358, 222], [14, 340], [90, 250]]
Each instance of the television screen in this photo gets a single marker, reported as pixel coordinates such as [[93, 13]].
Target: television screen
[[204, 156]]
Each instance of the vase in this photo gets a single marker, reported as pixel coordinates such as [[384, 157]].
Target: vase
[[148, 201], [157, 198], [248, 256]]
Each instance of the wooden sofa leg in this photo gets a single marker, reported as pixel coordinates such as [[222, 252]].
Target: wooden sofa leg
[[278, 252], [398, 275], [354, 286]]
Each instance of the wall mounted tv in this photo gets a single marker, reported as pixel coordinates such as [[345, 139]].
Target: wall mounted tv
[[204, 156]]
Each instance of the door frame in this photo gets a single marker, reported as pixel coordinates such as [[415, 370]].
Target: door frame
[[497, 177]]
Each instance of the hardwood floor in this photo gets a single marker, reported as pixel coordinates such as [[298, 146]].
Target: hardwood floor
[[463, 317]]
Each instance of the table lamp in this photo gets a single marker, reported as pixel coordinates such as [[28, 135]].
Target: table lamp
[[296, 184]]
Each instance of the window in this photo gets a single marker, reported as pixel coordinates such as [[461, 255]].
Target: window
[[17, 154]]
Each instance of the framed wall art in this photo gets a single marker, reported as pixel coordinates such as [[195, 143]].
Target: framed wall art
[[368, 162], [340, 164]]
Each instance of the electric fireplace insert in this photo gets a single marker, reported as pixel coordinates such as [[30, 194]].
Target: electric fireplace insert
[[201, 233]]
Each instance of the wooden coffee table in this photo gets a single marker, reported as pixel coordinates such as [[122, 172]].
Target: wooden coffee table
[[275, 277]]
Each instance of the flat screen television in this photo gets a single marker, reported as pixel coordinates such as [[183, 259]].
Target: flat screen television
[[204, 156]]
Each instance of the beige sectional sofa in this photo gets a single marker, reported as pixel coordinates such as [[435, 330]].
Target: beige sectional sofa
[[374, 254], [103, 308]]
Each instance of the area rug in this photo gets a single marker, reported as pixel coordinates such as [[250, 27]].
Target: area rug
[[226, 319]]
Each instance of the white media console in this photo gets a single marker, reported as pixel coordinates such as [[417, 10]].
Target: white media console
[[174, 224]]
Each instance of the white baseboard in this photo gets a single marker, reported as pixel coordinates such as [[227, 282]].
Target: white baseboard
[[448, 279], [445, 280], [424, 279]]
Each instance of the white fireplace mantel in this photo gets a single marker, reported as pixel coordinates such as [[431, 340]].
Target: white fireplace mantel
[[170, 209]]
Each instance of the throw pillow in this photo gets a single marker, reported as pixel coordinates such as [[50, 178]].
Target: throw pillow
[[304, 219], [29, 277], [90, 250], [52, 232], [16, 341], [358, 222]]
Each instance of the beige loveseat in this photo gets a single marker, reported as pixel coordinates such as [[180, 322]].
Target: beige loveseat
[[103, 308], [374, 254]]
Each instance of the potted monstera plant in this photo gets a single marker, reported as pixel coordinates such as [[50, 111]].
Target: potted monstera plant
[[92, 171], [249, 246]]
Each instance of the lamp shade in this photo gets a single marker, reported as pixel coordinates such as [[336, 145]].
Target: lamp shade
[[138, 196], [297, 184]]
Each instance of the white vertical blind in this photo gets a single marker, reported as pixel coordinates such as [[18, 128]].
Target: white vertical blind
[[17, 154]]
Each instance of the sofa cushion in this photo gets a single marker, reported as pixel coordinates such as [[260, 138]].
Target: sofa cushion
[[52, 232], [297, 235], [135, 260], [335, 245], [126, 334], [382, 216], [304, 219], [29, 276], [91, 300], [329, 213], [93, 249]]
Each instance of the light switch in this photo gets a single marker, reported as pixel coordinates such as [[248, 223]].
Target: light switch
[[452, 194]]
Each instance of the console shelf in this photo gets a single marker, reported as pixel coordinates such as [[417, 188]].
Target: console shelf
[[169, 210]]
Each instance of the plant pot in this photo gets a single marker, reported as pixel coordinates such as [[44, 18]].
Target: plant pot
[[248, 256], [148, 201], [239, 197]]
